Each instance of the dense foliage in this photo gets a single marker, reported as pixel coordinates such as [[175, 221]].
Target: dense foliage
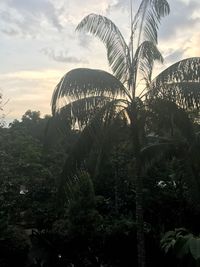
[[97, 226]]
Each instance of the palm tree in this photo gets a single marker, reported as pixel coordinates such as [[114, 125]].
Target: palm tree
[[90, 98]]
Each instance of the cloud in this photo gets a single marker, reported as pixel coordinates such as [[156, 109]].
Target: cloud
[[29, 90], [26, 17], [178, 33], [123, 5], [181, 21], [61, 56], [10, 32], [175, 55], [84, 40]]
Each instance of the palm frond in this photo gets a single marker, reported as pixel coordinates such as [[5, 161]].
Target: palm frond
[[92, 135], [80, 83], [147, 19], [168, 119], [117, 49], [179, 83], [144, 59], [154, 152], [81, 111]]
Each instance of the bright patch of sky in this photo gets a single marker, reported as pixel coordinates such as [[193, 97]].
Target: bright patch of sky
[[39, 44]]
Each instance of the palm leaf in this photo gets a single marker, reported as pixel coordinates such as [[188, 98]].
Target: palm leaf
[[81, 111], [147, 19], [144, 59], [168, 119], [92, 135], [194, 246], [155, 152], [179, 83], [117, 49], [81, 83]]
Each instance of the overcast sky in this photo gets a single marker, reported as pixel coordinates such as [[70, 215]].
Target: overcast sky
[[38, 44]]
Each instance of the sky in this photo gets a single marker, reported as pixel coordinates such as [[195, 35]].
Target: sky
[[38, 44]]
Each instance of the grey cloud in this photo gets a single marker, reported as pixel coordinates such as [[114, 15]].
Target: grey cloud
[[84, 40], [10, 32], [37, 8], [19, 26], [123, 5], [175, 56], [180, 18], [25, 16], [62, 56]]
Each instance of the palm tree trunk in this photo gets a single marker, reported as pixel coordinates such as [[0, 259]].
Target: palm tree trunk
[[139, 191], [140, 222]]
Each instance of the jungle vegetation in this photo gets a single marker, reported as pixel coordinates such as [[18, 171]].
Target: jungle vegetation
[[112, 178]]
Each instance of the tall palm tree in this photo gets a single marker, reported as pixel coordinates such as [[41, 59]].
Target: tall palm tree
[[90, 97]]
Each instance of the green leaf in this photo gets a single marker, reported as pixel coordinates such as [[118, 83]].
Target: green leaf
[[147, 19], [117, 49], [179, 83], [90, 136], [81, 83], [194, 246], [181, 247], [81, 111], [144, 59]]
